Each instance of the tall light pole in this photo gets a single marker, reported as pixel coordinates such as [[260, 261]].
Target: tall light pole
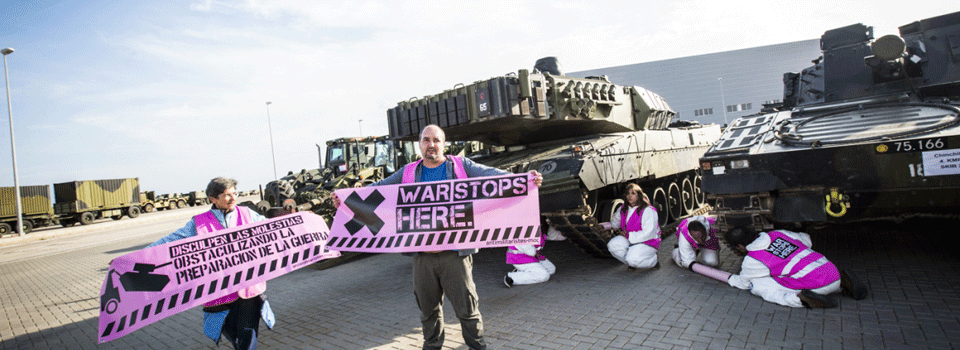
[[272, 154], [361, 127], [13, 147], [723, 101]]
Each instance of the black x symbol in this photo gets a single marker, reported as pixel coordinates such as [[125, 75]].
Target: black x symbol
[[363, 214]]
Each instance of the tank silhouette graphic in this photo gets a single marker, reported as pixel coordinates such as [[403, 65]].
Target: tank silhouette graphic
[[141, 279]]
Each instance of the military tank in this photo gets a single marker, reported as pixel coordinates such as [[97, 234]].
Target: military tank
[[587, 136], [869, 132]]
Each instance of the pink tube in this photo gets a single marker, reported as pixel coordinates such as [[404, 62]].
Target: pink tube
[[708, 271]]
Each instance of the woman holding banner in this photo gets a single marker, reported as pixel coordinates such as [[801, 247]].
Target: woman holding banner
[[237, 315], [638, 245]]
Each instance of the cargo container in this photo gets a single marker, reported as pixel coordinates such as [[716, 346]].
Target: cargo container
[[34, 205], [86, 201]]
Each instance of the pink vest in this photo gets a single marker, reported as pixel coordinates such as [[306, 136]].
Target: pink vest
[[635, 223], [206, 224], [711, 242], [783, 253], [410, 170], [517, 258]]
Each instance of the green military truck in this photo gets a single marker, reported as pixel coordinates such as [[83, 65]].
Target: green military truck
[[86, 201], [147, 201], [196, 198], [170, 201], [34, 205]]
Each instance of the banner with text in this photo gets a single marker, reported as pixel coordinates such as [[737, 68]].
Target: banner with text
[[153, 283], [469, 213]]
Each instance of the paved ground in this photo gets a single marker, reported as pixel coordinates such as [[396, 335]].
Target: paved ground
[[51, 301]]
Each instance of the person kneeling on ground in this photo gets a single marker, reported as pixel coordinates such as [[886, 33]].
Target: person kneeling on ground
[[530, 266], [637, 247], [781, 268], [697, 241]]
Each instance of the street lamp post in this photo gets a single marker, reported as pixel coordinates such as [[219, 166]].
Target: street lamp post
[[13, 147], [272, 154], [361, 127], [723, 101]]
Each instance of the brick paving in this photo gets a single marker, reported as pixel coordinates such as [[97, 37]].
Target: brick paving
[[52, 302]]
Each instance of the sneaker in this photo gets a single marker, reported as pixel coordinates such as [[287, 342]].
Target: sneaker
[[812, 300], [508, 281], [851, 286]]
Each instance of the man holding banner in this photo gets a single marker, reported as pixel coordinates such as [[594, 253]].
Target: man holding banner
[[449, 272], [237, 315]]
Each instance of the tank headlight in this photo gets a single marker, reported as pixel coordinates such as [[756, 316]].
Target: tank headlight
[[739, 164]]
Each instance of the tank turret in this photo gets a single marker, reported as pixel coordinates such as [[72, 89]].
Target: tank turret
[[869, 132], [529, 107], [588, 137]]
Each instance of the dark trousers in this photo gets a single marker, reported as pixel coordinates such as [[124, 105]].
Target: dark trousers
[[242, 325], [447, 273]]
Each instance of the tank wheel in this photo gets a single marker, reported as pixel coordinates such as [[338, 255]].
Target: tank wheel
[[27, 226], [117, 217], [659, 201], [676, 202], [689, 197], [68, 222], [181, 204], [87, 218], [607, 208], [698, 193], [148, 208], [5, 228], [133, 211]]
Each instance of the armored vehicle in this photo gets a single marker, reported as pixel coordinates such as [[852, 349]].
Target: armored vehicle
[[350, 162], [34, 205], [588, 137], [86, 201], [869, 132]]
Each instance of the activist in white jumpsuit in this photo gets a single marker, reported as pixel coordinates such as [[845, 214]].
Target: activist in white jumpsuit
[[236, 316], [781, 268], [530, 266], [693, 245], [638, 246]]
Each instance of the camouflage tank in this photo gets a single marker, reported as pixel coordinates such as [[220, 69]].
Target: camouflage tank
[[588, 137], [869, 132]]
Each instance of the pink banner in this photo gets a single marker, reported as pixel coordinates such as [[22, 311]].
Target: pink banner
[[153, 283], [470, 213]]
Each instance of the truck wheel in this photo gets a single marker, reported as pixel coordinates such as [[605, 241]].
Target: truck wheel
[[87, 218], [133, 211], [5, 228], [181, 204], [148, 208], [27, 226], [67, 222]]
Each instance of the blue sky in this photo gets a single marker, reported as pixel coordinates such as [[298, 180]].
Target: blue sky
[[175, 92]]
